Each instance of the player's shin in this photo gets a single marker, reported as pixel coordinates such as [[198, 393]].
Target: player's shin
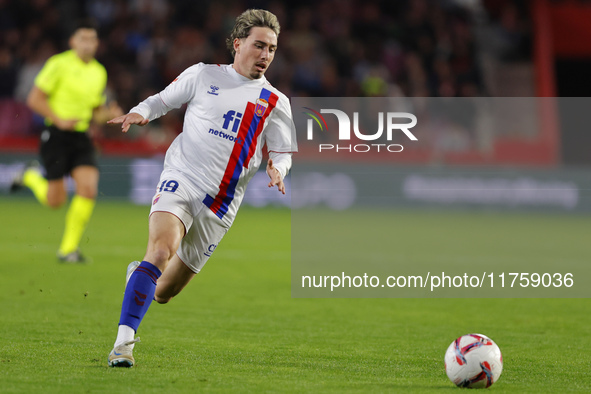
[[139, 293], [33, 179], [77, 218]]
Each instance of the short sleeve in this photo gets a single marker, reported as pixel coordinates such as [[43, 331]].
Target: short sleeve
[[280, 133], [48, 78]]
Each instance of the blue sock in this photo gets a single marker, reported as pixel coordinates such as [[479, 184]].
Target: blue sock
[[139, 293]]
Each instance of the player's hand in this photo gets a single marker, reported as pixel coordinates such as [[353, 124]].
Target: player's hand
[[65, 124], [275, 176], [128, 119]]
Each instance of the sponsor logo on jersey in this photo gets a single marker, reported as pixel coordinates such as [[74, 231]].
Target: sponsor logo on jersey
[[232, 120], [226, 136], [232, 117], [156, 199], [261, 107]]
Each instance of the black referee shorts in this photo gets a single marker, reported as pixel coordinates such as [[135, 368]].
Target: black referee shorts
[[62, 151]]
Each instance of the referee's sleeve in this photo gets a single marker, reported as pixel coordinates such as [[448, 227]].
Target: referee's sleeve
[[48, 77]]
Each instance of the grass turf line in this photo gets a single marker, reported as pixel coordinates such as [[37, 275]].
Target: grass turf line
[[235, 328]]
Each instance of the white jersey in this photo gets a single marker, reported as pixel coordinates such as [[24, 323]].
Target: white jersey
[[229, 119]]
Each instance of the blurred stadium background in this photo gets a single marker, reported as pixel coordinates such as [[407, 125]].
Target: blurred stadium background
[[328, 48]]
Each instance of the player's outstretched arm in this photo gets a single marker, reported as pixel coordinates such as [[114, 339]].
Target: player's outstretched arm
[[275, 175], [128, 119], [103, 113]]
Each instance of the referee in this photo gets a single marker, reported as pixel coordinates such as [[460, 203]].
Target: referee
[[69, 93]]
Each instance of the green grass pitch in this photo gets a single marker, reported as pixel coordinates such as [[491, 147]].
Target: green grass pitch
[[235, 328]]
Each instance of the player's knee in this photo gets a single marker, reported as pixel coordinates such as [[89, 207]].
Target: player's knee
[[87, 192], [55, 202], [160, 254]]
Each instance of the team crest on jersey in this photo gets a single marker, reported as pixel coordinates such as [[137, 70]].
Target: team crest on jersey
[[261, 107]]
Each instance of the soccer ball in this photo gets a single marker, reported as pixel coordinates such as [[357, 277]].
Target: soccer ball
[[473, 361]]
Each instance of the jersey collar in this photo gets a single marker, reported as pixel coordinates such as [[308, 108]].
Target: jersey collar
[[74, 56], [241, 78]]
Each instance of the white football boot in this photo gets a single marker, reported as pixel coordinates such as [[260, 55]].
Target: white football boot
[[122, 355]]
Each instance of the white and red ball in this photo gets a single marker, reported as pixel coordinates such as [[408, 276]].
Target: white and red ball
[[473, 361]]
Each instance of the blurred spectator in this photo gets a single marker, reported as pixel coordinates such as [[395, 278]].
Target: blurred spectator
[[8, 72], [511, 33], [33, 58], [326, 47]]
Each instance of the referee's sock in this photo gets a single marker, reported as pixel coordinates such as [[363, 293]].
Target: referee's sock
[[33, 179], [139, 294], [77, 218]]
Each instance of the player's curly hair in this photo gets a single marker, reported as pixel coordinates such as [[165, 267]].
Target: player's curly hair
[[249, 19]]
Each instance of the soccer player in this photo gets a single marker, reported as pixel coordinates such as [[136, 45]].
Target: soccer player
[[232, 112], [69, 92]]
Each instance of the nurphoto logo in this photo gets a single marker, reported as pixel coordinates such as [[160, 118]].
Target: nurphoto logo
[[392, 120]]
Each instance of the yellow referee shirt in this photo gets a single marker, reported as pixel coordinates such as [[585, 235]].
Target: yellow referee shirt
[[74, 87]]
